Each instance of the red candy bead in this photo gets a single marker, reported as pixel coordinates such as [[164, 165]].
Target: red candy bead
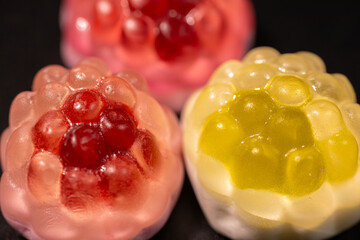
[[147, 7], [106, 13], [150, 150], [175, 38], [183, 6], [83, 147], [83, 106], [122, 174], [118, 127], [135, 31], [80, 189], [49, 131]]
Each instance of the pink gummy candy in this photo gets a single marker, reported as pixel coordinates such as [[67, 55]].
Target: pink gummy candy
[[175, 44], [89, 155]]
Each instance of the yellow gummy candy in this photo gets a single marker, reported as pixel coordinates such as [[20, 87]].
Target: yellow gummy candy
[[278, 139]]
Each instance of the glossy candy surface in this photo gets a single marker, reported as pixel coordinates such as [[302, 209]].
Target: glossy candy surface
[[86, 154], [175, 44], [273, 142]]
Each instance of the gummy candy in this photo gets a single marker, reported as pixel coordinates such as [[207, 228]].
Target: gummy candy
[[86, 153], [272, 147], [175, 44]]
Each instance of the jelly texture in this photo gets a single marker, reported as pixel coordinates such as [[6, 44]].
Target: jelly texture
[[279, 128], [79, 149], [175, 44]]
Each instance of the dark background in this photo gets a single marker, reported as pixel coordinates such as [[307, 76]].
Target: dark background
[[30, 38]]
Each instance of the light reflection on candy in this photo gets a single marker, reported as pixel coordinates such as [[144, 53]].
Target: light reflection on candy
[[89, 156], [280, 158], [175, 44]]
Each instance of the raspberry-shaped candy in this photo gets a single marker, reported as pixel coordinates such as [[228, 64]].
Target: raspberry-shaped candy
[[89, 155], [271, 146], [175, 44]]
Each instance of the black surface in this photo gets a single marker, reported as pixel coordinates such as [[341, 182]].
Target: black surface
[[29, 40]]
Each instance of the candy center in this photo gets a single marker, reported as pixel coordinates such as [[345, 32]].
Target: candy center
[[93, 138], [276, 139]]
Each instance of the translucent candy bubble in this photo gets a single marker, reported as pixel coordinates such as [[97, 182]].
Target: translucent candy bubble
[[83, 76], [123, 175], [325, 117], [220, 135], [118, 90], [253, 76], [106, 13], [209, 21], [3, 143], [207, 169], [146, 7], [318, 206], [263, 204], [50, 97], [151, 116], [252, 110], [176, 39], [226, 72], [292, 64], [345, 82], [305, 171], [351, 114], [136, 31], [261, 55], [149, 149], [135, 78], [289, 90], [49, 131], [316, 64], [255, 157], [211, 99], [83, 106], [21, 108], [51, 73], [44, 176], [97, 64], [328, 86], [80, 190], [341, 155], [118, 127], [289, 128], [19, 139]]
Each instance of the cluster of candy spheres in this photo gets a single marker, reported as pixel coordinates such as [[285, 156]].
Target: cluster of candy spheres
[[96, 152], [174, 44]]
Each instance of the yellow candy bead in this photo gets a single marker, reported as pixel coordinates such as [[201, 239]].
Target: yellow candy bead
[[252, 110], [289, 90], [220, 136], [305, 171], [345, 82], [214, 97], [341, 155], [289, 128], [290, 63], [325, 117], [328, 86], [316, 64], [253, 76], [256, 164], [226, 72], [261, 55]]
